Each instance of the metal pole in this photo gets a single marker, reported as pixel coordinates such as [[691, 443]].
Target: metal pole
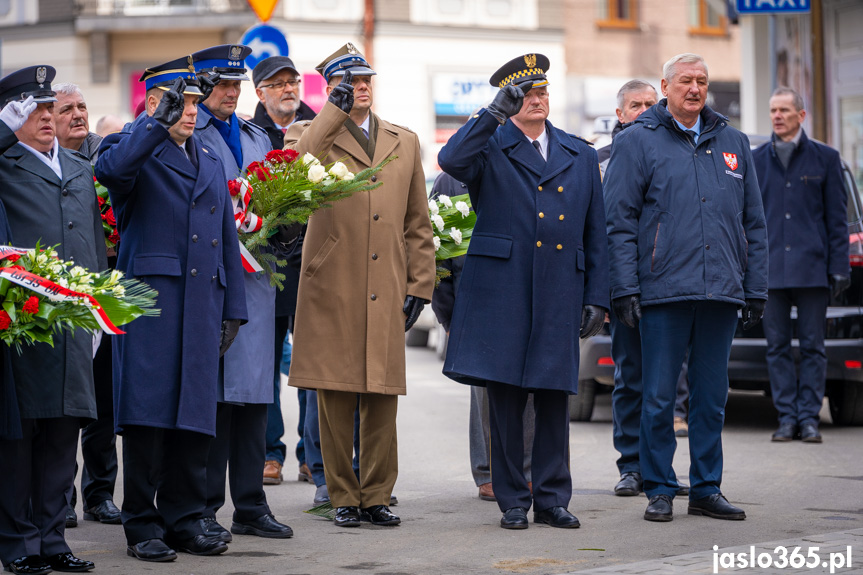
[[819, 88], [369, 32]]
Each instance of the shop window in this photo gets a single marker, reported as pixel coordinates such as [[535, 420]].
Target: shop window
[[621, 14]]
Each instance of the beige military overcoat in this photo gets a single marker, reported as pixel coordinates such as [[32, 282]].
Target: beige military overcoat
[[361, 258]]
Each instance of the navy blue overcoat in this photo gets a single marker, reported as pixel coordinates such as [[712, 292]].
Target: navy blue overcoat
[[177, 232], [805, 209], [537, 255]]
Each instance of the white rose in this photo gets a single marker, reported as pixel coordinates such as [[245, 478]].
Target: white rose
[[463, 208], [316, 173], [339, 170], [310, 160], [438, 222], [445, 200], [433, 209], [455, 234], [348, 177], [436, 241]]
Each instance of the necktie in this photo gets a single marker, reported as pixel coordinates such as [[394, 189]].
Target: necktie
[[365, 133], [284, 130], [538, 149], [693, 134], [49, 154]]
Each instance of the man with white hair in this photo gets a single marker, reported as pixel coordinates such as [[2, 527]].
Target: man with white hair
[[73, 122], [687, 248]]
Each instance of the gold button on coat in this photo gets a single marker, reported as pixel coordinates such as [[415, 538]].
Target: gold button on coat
[[560, 247], [560, 189], [539, 188], [561, 217], [539, 244], [541, 215]]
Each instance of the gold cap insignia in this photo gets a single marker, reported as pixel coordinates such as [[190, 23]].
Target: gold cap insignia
[[530, 60]]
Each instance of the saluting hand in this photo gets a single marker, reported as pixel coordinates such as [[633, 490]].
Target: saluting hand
[[508, 101], [343, 94], [15, 113], [208, 81], [170, 108]]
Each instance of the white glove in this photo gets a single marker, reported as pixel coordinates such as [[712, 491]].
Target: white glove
[[15, 113]]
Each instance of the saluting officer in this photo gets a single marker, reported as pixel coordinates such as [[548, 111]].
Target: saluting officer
[[174, 214], [534, 281], [246, 382]]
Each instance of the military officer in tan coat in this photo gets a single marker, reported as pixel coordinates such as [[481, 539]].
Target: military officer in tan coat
[[367, 270]]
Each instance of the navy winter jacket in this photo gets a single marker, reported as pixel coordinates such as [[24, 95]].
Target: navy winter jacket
[[685, 221]]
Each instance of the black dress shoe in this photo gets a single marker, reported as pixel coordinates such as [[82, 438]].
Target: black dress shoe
[[347, 517], [809, 433], [716, 506], [682, 489], [556, 517], [629, 484], [71, 517], [151, 550], [200, 545], [105, 512], [212, 528], [68, 563], [29, 565], [786, 432], [380, 515], [659, 508], [263, 526], [514, 518]]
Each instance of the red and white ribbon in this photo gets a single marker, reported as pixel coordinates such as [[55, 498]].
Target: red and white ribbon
[[56, 292], [246, 222]]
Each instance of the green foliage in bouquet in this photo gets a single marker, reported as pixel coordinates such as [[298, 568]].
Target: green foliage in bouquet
[[453, 221], [285, 189], [28, 317]]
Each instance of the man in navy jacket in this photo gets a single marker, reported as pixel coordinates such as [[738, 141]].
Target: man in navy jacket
[[688, 247], [804, 202], [176, 222], [534, 281]]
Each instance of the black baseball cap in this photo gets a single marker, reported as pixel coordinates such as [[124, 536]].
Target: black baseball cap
[[268, 67]]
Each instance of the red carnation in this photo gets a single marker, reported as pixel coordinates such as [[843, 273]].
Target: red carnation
[[101, 201], [5, 320], [260, 172], [109, 217], [31, 306], [114, 237], [282, 156], [13, 257], [234, 187]]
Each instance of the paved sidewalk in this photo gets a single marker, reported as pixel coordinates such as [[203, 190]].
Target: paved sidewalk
[[827, 548]]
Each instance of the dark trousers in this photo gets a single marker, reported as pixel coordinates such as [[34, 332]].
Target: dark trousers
[[626, 396], [168, 467], [36, 472], [552, 483], [667, 332], [275, 447], [238, 449], [98, 441], [797, 397]]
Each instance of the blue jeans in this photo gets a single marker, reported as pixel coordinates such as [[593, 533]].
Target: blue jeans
[[706, 329]]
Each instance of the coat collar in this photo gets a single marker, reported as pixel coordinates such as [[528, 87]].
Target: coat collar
[[516, 145], [711, 122], [386, 142], [72, 167], [25, 160]]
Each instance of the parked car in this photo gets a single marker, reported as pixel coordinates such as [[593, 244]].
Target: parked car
[[747, 368]]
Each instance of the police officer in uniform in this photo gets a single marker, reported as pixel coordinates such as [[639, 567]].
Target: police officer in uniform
[[174, 214], [49, 197], [246, 382], [535, 280]]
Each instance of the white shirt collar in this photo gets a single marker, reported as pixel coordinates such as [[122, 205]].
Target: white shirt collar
[[366, 124], [543, 143], [53, 162]]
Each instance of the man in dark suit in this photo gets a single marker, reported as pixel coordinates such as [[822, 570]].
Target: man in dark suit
[[535, 280], [804, 202], [49, 197], [175, 216]]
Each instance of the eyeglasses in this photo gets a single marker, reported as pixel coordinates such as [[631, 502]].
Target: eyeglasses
[[281, 85]]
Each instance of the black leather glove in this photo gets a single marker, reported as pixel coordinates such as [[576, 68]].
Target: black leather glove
[[343, 94], [628, 309], [208, 81], [752, 312], [288, 233], [838, 284], [508, 101], [592, 320], [230, 328], [170, 108], [413, 308]]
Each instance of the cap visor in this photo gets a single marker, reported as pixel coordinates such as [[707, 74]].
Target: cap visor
[[356, 71], [233, 77], [190, 90]]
